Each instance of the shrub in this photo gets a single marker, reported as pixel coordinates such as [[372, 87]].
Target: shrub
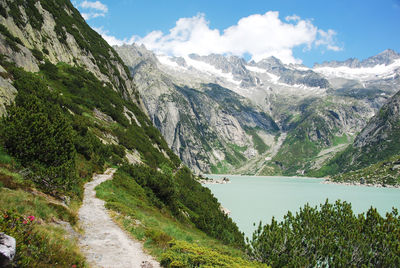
[[38, 246], [183, 254], [330, 237]]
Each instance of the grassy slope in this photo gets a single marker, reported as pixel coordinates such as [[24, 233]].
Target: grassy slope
[[41, 242], [173, 242]]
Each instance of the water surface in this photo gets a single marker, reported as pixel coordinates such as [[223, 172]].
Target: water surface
[[251, 199]]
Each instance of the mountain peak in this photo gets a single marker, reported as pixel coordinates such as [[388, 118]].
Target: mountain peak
[[386, 57]]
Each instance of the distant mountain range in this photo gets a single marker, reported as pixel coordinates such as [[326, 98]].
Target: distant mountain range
[[224, 114]]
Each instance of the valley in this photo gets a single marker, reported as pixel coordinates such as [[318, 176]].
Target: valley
[[257, 103], [104, 143]]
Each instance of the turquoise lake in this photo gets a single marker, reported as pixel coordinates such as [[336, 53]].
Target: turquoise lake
[[251, 199]]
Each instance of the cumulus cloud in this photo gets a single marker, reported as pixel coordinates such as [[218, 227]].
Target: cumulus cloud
[[95, 9], [113, 41], [259, 35]]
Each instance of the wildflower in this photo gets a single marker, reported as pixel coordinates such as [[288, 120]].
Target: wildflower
[[73, 266], [25, 222], [31, 218]]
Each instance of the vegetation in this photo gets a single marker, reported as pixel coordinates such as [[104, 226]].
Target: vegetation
[[382, 173], [29, 216], [136, 209], [187, 200], [259, 144], [39, 245], [329, 237], [55, 122], [11, 40], [183, 254]]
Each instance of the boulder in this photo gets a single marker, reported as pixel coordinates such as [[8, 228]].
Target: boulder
[[7, 249]]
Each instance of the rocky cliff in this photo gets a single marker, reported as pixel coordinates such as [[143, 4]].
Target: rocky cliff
[[30, 32], [210, 127], [378, 141]]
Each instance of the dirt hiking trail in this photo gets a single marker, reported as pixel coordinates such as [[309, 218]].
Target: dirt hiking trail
[[104, 243]]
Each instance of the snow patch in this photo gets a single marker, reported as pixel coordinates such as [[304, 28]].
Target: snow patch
[[255, 69], [367, 73], [209, 69]]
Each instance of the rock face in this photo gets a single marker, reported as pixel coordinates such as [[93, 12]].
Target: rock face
[[7, 91], [204, 123], [379, 139], [208, 107], [38, 34], [7, 249]]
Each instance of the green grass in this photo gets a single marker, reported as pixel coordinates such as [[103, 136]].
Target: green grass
[[259, 144], [156, 228], [4, 157], [40, 242], [222, 167], [337, 140]]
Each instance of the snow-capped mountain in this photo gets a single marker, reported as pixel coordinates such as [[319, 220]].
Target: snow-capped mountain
[[219, 112]]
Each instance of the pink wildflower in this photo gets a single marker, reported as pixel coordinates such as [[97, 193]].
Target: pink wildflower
[[31, 218], [24, 222], [73, 266]]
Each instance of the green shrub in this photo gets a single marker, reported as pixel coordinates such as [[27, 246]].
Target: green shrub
[[38, 246], [183, 254], [330, 237]]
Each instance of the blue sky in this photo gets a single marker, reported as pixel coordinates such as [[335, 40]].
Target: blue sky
[[306, 31]]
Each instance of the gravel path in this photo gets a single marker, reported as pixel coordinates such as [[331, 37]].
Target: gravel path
[[104, 244]]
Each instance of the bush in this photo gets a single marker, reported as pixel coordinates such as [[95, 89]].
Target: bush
[[38, 246], [36, 132], [183, 254], [330, 237]]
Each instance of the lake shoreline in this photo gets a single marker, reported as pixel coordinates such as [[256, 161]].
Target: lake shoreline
[[351, 183]]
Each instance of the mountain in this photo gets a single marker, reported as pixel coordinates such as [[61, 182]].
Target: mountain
[[377, 142], [209, 126], [385, 58], [70, 109], [312, 112]]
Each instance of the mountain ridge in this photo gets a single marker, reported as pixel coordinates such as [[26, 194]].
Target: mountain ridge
[[282, 92]]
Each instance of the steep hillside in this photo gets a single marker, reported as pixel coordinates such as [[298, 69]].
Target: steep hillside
[[379, 140], [74, 111], [32, 31]]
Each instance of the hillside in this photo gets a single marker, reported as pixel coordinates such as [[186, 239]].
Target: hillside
[[69, 110], [373, 155]]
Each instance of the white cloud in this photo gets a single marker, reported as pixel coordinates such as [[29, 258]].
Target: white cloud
[[260, 35], [95, 9], [94, 5], [327, 39], [111, 40], [292, 18], [88, 16]]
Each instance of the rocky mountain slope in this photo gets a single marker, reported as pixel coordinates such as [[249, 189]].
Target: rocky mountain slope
[[30, 32], [312, 112], [209, 126], [379, 140]]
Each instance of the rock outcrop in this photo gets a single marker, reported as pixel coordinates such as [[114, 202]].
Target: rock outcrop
[[7, 249], [36, 32]]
